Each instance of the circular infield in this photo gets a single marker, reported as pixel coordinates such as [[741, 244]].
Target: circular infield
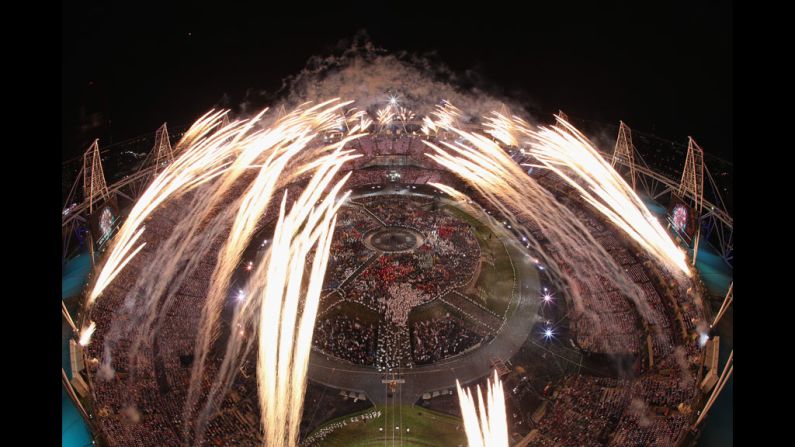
[[393, 239]]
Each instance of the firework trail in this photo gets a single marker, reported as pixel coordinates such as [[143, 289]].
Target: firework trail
[[502, 128], [86, 333], [567, 152], [385, 116], [485, 424], [210, 171], [490, 171]]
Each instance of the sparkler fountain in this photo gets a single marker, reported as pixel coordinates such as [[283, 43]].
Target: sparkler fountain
[[485, 423]]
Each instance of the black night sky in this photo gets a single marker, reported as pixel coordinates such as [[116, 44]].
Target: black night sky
[[665, 70]]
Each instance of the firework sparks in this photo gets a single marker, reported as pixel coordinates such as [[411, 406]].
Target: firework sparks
[[385, 115], [205, 157], [493, 174], [365, 123], [568, 153], [280, 326], [279, 305], [564, 150], [502, 128], [405, 115], [86, 333], [447, 115], [485, 423]]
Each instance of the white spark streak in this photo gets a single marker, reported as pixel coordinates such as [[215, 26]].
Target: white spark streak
[[486, 425], [86, 333], [564, 150], [280, 306]]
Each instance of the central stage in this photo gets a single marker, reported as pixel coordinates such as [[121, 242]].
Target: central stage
[[394, 239]]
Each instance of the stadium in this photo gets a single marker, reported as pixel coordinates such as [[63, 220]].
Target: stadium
[[433, 279]]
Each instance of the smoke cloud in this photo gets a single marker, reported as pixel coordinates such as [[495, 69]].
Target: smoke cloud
[[370, 76]]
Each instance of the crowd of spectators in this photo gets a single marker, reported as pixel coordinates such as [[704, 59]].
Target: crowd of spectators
[[587, 410], [347, 338], [636, 411], [399, 175], [607, 321], [395, 283], [372, 146], [140, 402], [347, 251], [651, 407], [439, 338]]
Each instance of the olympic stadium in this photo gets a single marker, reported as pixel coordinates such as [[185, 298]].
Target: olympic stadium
[[457, 254]]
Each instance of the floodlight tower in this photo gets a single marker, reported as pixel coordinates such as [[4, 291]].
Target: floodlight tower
[[624, 151], [693, 183], [162, 149], [281, 113], [225, 121], [160, 157], [504, 111], [94, 185]]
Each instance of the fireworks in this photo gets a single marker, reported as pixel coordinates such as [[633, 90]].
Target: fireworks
[[206, 157], [488, 169], [405, 115], [287, 335], [385, 115], [486, 425], [86, 333], [502, 128], [568, 153], [230, 176], [564, 150], [211, 163]]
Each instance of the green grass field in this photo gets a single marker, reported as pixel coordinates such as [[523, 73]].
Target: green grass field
[[426, 428], [497, 280]]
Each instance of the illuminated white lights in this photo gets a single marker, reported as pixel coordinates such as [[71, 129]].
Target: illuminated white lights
[[703, 338], [86, 333], [486, 425]]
